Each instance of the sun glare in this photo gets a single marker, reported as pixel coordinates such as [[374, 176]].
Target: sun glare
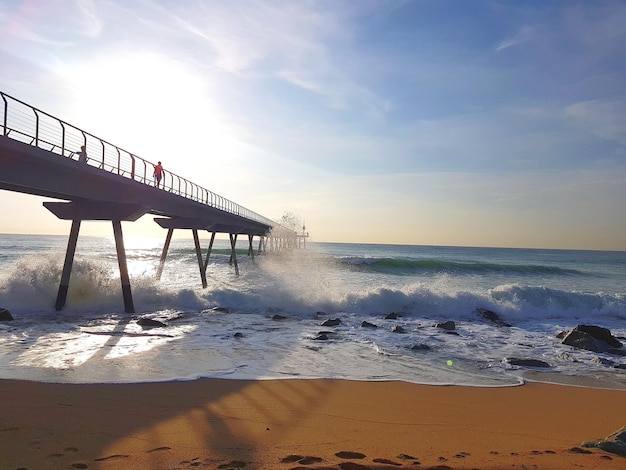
[[147, 103]]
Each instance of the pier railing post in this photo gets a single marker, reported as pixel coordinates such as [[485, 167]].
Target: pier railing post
[[67, 266], [121, 261]]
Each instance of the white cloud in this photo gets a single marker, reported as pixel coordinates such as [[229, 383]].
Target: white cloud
[[606, 119], [525, 34]]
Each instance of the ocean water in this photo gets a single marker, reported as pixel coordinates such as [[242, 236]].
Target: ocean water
[[266, 323]]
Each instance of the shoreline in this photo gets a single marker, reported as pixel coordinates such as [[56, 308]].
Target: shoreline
[[266, 424]]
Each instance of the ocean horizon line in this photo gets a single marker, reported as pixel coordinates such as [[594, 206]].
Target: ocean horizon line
[[222, 236]]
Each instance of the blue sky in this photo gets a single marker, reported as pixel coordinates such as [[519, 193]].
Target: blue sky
[[481, 123]]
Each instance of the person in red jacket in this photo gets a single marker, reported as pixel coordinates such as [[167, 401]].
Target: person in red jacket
[[158, 174]]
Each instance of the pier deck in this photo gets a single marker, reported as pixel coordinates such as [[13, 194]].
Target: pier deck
[[38, 156]]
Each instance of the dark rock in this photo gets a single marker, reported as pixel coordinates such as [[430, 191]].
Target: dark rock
[[616, 351], [367, 324], [398, 329], [150, 323], [592, 338], [527, 362], [603, 361], [321, 337], [491, 316], [615, 443], [332, 322], [220, 309], [238, 335], [565, 356], [391, 316], [446, 325], [582, 340], [620, 366], [278, 317], [5, 315], [452, 333], [420, 347], [603, 334], [562, 334]]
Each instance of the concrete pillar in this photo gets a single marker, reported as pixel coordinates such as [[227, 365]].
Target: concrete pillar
[[67, 266], [196, 241], [121, 261], [166, 247]]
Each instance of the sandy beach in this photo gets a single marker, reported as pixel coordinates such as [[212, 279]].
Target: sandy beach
[[289, 424]]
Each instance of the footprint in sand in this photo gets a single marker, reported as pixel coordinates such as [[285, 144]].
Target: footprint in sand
[[301, 459], [233, 465], [111, 457], [345, 454], [408, 457], [158, 449], [10, 429], [80, 465], [578, 450], [388, 462], [353, 466]]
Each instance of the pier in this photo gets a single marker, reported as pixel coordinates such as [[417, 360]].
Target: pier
[[39, 156]]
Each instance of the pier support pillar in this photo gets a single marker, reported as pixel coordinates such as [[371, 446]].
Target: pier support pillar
[[250, 247], [233, 254], [166, 247], [121, 261], [67, 266], [196, 241], [208, 253]]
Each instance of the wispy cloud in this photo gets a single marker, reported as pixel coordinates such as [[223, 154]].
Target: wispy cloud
[[58, 24], [606, 119], [524, 35], [297, 43]]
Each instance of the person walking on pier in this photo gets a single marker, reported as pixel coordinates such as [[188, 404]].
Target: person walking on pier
[[158, 174], [82, 154]]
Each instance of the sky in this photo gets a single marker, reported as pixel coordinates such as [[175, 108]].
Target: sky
[[427, 122]]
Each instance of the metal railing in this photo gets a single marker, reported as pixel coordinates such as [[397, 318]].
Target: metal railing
[[30, 125]]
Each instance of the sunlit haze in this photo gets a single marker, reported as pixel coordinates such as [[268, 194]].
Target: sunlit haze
[[427, 122]]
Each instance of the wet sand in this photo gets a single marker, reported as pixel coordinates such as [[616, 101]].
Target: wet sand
[[296, 424]]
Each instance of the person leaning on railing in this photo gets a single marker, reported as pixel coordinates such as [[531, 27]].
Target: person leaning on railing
[[82, 154]]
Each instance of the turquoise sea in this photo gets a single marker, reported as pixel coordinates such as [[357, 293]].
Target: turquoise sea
[[267, 323]]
